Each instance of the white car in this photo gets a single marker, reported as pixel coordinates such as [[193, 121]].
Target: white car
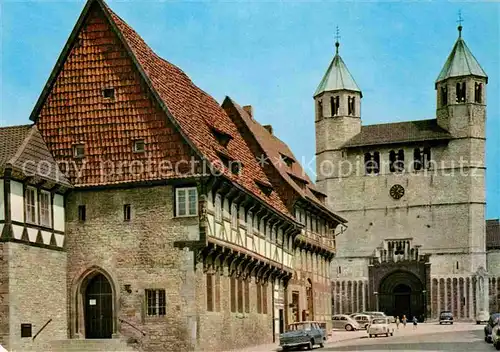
[[380, 326]]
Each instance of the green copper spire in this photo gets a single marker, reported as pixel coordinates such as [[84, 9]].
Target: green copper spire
[[461, 62], [337, 77]]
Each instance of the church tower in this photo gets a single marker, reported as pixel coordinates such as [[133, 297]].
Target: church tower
[[461, 93], [461, 110], [338, 115]]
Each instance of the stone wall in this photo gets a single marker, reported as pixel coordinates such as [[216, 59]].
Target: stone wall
[[37, 293], [4, 295], [139, 253], [221, 330]]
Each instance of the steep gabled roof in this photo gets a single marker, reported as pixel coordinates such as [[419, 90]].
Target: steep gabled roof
[[398, 132], [337, 77], [22, 148], [276, 151], [194, 113], [460, 62]]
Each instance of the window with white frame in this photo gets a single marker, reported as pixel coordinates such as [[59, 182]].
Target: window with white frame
[[218, 208], [156, 302], [234, 215], [186, 201], [45, 214], [30, 205]]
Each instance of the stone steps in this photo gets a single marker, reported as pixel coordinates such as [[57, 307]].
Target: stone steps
[[84, 345]]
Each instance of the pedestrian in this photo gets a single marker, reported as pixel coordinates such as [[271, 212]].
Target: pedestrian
[[397, 322], [404, 321], [415, 321]]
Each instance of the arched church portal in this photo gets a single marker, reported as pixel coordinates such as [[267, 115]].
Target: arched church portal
[[402, 293]]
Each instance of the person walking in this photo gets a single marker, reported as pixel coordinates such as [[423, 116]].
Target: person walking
[[404, 321], [397, 322], [415, 321]]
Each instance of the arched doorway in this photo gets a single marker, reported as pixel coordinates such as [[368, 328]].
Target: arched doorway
[[98, 308], [402, 293]]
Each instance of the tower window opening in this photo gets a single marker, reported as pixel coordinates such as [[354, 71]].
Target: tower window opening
[[397, 161], [444, 96], [421, 158], [478, 92], [426, 158], [460, 92], [320, 109], [417, 159], [334, 105], [351, 106]]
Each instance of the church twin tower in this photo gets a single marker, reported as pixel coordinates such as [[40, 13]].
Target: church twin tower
[[415, 242]]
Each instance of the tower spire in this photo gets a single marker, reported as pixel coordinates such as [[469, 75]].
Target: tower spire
[[337, 37], [459, 21]]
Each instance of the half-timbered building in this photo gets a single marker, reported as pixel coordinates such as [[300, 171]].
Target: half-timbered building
[[176, 237], [32, 237]]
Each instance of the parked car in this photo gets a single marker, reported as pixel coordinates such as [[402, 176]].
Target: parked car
[[488, 329], [380, 326], [495, 337], [380, 314], [363, 320], [375, 314], [446, 317], [343, 321], [303, 334]]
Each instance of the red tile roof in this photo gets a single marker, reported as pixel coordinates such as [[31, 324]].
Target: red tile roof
[[193, 112]]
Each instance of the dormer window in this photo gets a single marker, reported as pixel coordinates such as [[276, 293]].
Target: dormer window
[[108, 93], [79, 150], [319, 108], [231, 165], [139, 146], [266, 189], [222, 137], [478, 92], [444, 96], [351, 103], [334, 105], [460, 92]]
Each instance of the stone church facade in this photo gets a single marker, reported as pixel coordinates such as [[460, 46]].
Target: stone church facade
[[164, 221], [414, 194]]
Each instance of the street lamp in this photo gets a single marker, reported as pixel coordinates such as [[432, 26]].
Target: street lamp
[[376, 299]]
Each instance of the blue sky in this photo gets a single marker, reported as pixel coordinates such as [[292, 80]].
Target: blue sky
[[272, 55]]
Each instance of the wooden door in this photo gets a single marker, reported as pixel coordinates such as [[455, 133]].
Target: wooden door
[[98, 308]]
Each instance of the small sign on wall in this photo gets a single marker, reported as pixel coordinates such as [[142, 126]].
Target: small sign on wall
[[92, 302], [25, 330]]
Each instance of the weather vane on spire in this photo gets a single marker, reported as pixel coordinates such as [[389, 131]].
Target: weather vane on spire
[[460, 20], [337, 37]]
